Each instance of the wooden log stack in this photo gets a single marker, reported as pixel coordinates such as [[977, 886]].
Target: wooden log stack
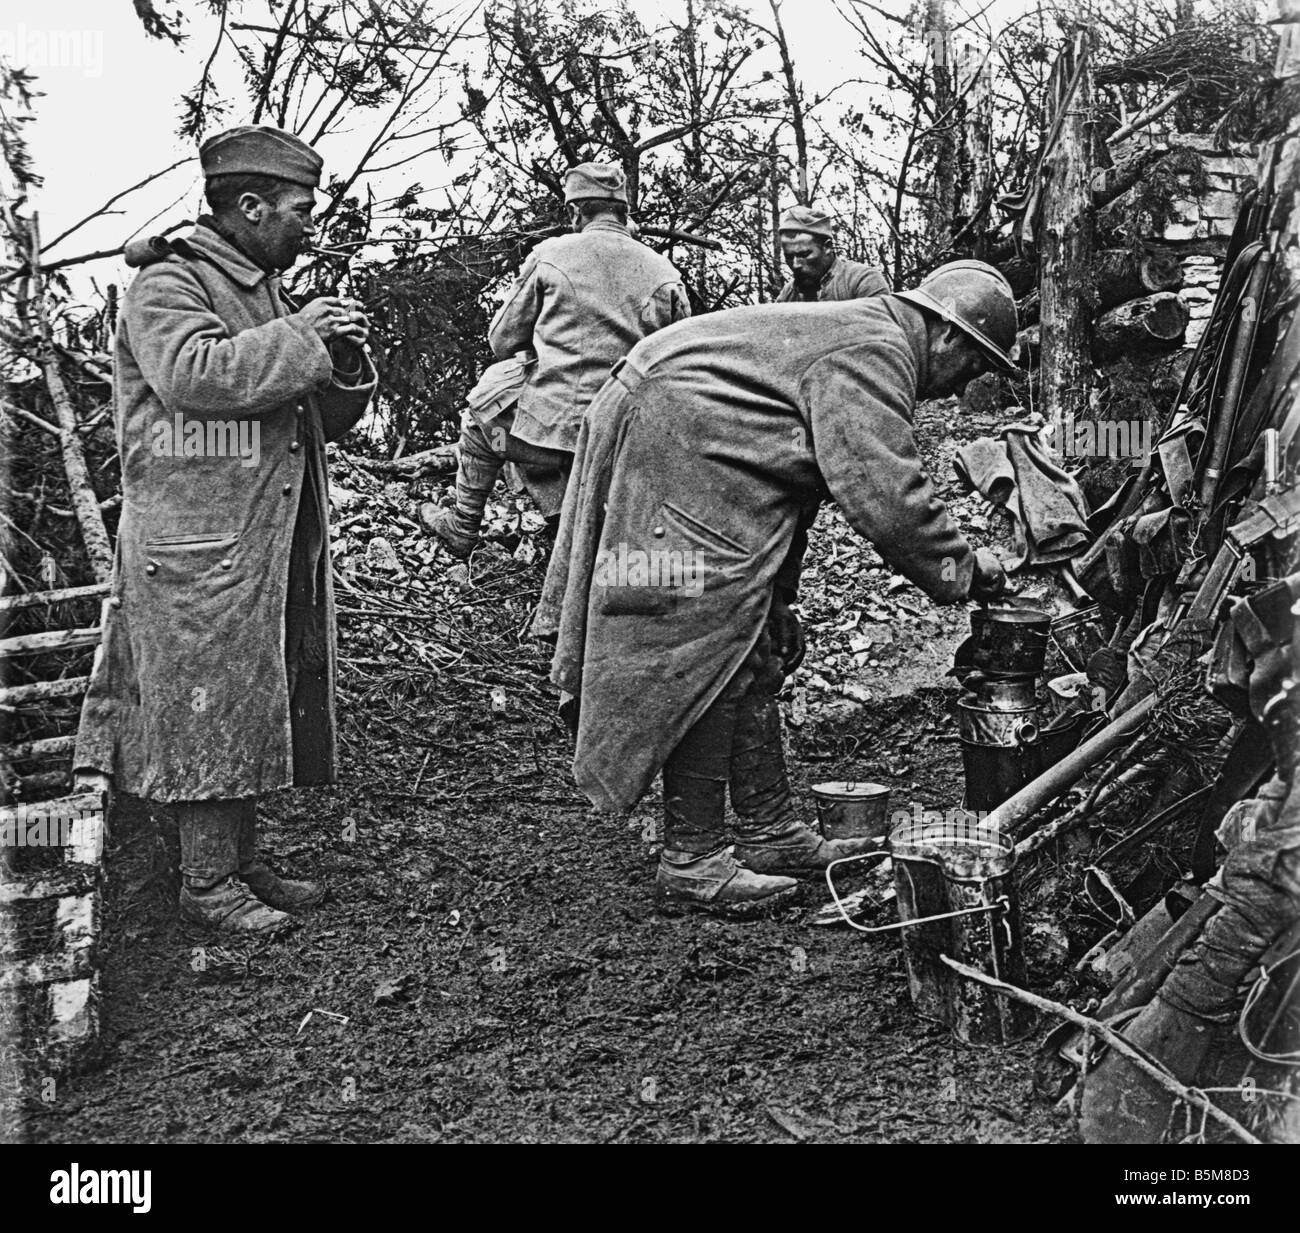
[[1117, 276], [1149, 323], [1120, 275], [1163, 211], [1138, 319], [1138, 327]]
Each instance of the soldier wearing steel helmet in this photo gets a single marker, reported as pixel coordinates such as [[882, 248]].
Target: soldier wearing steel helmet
[[817, 271], [681, 543]]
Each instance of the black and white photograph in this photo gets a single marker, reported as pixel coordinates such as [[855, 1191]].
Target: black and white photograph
[[676, 572]]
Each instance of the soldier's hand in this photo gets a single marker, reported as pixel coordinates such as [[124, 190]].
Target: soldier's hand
[[330, 316], [990, 579], [357, 329], [788, 634]]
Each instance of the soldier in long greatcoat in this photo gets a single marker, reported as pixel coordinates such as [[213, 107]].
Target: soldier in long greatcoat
[[215, 682], [670, 585]]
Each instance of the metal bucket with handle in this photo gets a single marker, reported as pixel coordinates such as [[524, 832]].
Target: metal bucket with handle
[[954, 880], [847, 809]]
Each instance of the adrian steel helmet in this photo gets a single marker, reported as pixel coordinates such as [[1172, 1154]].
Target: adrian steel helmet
[[978, 300]]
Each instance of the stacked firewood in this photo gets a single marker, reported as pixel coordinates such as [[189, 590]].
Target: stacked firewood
[[1134, 294], [1160, 217]]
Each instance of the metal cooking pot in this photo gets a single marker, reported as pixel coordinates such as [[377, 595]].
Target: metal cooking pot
[[1009, 641], [850, 810]]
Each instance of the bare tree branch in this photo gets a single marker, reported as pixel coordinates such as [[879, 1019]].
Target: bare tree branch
[[63, 235]]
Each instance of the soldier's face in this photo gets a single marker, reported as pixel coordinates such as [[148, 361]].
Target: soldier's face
[[807, 256], [285, 229], [954, 362]]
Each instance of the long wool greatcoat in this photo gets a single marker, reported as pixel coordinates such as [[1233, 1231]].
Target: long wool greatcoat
[[189, 698], [711, 442], [581, 302]]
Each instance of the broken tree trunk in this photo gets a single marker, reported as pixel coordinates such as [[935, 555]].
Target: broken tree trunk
[[976, 159], [1119, 275], [1064, 287], [85, 503], [944, 136], [1152, 323]]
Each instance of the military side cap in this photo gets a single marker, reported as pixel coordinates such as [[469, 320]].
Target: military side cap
[[602, 180], [809, 219], [259, 149]]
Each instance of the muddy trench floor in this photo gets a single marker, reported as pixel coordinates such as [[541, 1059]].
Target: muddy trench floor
[[489, 968]]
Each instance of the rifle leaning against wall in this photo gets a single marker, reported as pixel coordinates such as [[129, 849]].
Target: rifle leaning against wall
[[1173, 497], [1179, 481]]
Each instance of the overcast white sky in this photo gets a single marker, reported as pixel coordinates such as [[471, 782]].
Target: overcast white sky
[[109, 114]]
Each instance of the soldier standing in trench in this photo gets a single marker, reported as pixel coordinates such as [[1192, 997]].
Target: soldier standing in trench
[[708, 445], [817, 271], [581, 302], [215, 682]]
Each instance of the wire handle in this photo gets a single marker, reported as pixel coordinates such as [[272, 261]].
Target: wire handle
[[1001, 904], [1262, 982]]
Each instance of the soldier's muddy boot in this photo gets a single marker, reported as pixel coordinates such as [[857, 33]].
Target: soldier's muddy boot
[[457, 527], [697, 868], [228, 905], [286, 894], [212, 894], [717, 884], [770, 838], [448, 526]]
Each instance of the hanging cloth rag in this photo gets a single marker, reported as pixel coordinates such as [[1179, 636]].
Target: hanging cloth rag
[[1047, 507]]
